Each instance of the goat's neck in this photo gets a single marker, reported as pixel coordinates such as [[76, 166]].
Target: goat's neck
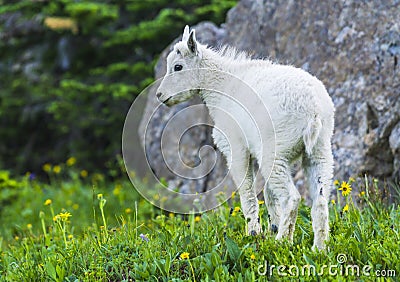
[[217, 73]]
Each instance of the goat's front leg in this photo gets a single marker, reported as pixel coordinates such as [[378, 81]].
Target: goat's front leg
[[240, 167], [274, 208], [242, 173]]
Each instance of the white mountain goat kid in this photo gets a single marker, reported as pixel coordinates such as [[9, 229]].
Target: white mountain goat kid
[[302, 115]]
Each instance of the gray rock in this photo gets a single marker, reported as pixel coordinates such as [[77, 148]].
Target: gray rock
[[352, 46]]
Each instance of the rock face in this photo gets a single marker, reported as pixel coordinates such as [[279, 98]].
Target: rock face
[[352, 46]]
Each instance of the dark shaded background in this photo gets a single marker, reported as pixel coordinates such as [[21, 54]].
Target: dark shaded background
[[69, 71]]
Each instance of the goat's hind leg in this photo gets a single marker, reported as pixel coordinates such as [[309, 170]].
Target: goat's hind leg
[[318, 168], [282, 186]]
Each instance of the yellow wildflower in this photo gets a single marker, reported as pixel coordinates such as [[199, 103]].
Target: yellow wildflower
[[333, 202], [233, 213], [47, 167], [336, 182], [128, 210], [253, 257], [71, 161], [47, 202], [261, 202], [56, 169], [84, 173], [346, 208], [75, 206], [197, 218], [236, 209], [351, 180], [29, 226], [184, 255], [64, 216], [70, 236], [117, 189], [171, 215], [233, 194], [16, 238], [345, 188], [99, 196]]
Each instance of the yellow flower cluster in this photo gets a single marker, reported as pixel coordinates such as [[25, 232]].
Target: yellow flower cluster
[[71, 161], [63, 216], [57, 169], [46, 167], [117, 189], [235, 211]]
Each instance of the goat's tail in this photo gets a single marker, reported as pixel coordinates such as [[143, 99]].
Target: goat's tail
[[311, 133]]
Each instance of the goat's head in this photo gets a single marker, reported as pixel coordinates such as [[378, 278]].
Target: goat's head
[[182, 79]]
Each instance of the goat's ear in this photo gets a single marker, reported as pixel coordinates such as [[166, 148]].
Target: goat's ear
[[185, 35], [192, 43]]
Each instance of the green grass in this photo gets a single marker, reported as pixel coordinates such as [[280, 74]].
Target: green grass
[[71, 240]]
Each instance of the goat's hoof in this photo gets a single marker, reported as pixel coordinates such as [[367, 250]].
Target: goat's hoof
[[318, 247], [274, 228], [253, 233]]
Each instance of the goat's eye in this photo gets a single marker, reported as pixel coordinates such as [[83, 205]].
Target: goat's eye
[[178, 67]]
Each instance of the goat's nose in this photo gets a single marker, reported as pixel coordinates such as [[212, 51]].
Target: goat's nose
[[158, 95]]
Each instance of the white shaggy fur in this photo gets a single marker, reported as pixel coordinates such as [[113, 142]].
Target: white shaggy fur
[[302, 115]]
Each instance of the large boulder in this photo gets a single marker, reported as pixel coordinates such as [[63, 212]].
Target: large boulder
[[352, 46]]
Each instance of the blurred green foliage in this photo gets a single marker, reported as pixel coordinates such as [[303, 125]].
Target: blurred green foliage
[[69, 71]]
